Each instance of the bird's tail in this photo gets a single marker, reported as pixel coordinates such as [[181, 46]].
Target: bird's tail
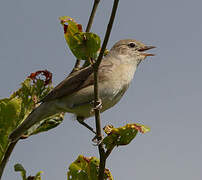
[[41, 112]]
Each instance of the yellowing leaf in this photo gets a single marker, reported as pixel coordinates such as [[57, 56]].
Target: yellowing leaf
[[84, 168], [9, 118], [20, 168], [15, 109], [83, 45], [122, 135]]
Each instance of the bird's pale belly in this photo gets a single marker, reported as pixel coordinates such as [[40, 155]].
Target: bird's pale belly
[[81, 106]]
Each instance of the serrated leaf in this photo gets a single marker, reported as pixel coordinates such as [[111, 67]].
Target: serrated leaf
[[15, 109], [83, 45], [86, 169], [122, 135]]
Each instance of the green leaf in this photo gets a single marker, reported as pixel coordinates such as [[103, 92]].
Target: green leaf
[[83, 45], [122, 135], [38, 175], [86, 169], [20, 168], [9, 118], [15, 109]]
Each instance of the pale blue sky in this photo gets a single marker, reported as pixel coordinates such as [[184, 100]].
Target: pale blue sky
[[165, 94]]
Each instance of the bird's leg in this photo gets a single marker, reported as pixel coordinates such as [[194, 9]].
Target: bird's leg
[[97, 106], [81, 121]]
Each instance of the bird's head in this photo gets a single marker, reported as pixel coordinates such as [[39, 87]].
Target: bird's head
[[131, 50]]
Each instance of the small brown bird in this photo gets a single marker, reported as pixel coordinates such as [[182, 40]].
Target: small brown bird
[[75, 94]]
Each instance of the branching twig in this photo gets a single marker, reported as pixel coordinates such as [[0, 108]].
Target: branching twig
[[89, 25], [96, 92], [6, 157]]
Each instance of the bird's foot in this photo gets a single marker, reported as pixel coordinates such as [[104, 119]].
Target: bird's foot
[[97, 105], [97, 140]]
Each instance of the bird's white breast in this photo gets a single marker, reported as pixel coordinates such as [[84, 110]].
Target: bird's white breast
[[120, 81]]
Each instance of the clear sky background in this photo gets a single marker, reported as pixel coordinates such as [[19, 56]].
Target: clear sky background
[[165, 94]]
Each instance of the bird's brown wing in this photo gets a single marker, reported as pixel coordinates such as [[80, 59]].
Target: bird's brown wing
[[69, 85], [76, 81]]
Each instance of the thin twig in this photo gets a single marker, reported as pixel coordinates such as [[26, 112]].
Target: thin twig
[[107, 34], [6, 157], [89, 25], [92, 15], [96, 92]]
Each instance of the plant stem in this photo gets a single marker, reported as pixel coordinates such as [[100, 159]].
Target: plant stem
[[96, 92], [107, 34], [89, 25], [92, 15], [6, 157]]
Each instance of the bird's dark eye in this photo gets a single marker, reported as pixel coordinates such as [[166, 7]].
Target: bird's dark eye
[[131, 45]]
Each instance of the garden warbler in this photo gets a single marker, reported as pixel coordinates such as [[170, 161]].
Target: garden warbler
[[75, 94]]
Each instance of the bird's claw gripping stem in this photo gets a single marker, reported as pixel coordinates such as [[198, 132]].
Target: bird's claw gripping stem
[[97, 140], [97, 104]]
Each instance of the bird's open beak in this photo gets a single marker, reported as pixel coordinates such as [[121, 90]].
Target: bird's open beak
[[145, 48]]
